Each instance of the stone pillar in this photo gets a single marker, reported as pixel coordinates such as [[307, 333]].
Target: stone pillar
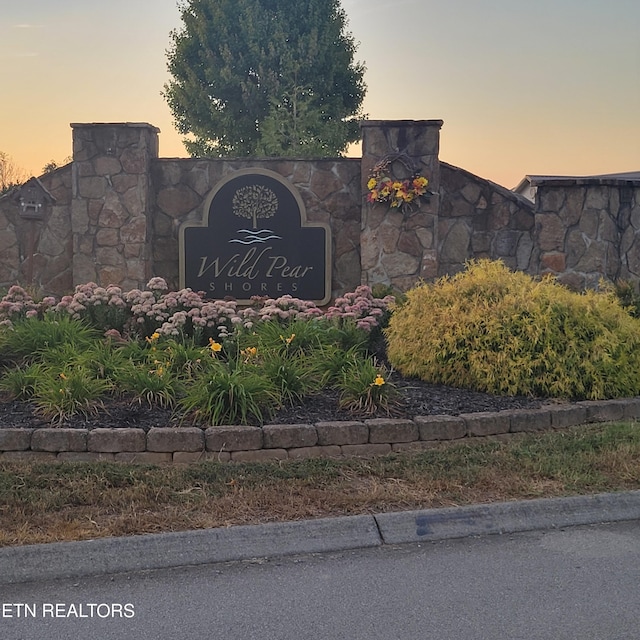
[[400, 248], [112, 202]]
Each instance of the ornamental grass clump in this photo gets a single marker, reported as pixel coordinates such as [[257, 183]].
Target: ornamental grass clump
[[150, 383], [231, 393], [493, 330], [31, 336], [364, 387], [59, 394], [19, 383]]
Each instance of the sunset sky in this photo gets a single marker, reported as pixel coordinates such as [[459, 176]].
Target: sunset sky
[[542, 87]]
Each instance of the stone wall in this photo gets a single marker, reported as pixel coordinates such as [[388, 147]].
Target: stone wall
[[113, 215], [587, 230], [376, 436], [38, 252], [480, 219]]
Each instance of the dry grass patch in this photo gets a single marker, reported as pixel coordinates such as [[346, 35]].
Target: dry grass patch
[[76, 501]]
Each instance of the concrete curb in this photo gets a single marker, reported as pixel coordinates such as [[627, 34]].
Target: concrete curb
[[507, 517], [165, 550], [160, 551]]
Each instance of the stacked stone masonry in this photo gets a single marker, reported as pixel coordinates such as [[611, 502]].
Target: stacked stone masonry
[[372, 437], [114, 213], [400, 248], [479, 219], [588, 230]]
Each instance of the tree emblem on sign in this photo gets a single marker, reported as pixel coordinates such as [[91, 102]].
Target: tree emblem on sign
[[253, 202]]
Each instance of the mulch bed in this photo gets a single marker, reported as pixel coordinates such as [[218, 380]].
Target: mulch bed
[[416, 398]]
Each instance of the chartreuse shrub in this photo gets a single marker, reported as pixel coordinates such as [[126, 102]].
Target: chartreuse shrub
[[628, 296], [493, 330]]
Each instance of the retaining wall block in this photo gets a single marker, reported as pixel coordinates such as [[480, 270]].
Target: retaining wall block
[[440, 427], [85, 456], [486, 424], [59, 440], [186, 457], [28, 456], [143, 457], [530, 420], [365, 450], [304, 453], [339, 433], [382, 430], [233, 438], [632, 408], [259, 455], [15, 439], [168, 439], [111, 440], [568, 415], [289, 436], [604, 410], [419, 445]]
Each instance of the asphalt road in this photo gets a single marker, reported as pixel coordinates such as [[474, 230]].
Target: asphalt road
[[573, 583]]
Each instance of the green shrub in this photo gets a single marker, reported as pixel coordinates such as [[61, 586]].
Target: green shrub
[[628, 296], [493, 330]]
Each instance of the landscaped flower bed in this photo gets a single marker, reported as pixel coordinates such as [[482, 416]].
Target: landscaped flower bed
[[211, 362]]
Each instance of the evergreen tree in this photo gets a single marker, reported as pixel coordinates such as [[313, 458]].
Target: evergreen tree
[[265, 77]]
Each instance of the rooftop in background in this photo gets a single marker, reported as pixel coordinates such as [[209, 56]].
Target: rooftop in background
[[528, 186]]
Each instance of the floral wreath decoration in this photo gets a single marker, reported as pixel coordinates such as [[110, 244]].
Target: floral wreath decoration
[[401, 193]]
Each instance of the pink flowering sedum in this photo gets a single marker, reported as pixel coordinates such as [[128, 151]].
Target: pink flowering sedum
[[185, 313], [362, 306]]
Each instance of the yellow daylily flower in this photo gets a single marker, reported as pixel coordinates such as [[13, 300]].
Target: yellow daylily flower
[[214, 346]]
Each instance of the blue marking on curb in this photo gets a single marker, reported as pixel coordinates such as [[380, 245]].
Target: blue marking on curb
[[422, 526], [424, 523]]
